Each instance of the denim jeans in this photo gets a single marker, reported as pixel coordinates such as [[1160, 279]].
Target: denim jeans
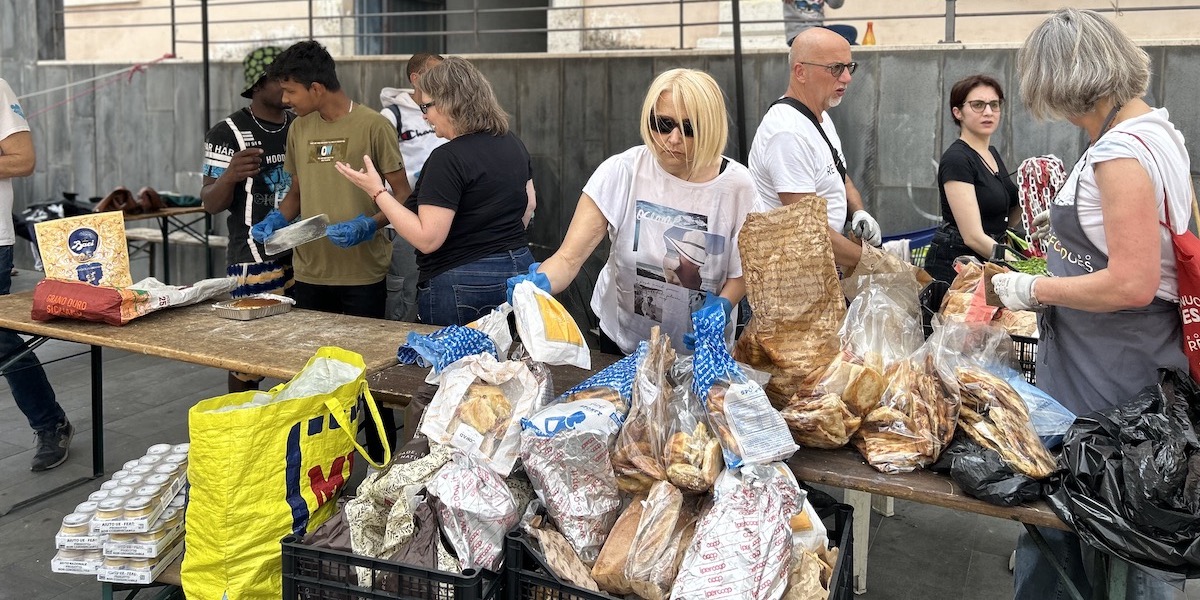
[[468, 292], [1034, 577], [26, 378]]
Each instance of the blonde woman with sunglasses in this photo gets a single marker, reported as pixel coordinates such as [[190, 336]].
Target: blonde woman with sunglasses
[[671, 208], [978, 197]]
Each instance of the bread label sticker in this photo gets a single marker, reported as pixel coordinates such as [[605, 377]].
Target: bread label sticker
[[466, 438]]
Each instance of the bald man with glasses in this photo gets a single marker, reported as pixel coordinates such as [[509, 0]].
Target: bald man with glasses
[[797, 152]]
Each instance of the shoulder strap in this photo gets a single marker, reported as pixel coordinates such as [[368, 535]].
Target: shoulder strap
[[804, 110], [1166, 198], [395, 110]]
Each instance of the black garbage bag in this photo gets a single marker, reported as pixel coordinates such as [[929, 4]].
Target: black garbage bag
[[1131, 485], [983, 474]]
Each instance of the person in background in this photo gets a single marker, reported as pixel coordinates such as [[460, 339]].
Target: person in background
[[979, 199], [244, 175], [1110, 313], [467, 215], [30, 388], [343, 273], [417, 139], [799, 15], [670, 206], [797, 152]]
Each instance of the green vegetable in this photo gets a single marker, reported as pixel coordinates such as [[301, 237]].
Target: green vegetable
[[1032, 266]]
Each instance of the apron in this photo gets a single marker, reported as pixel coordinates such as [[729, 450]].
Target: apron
[[1090, 361]]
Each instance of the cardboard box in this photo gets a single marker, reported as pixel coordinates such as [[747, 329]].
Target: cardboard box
[[141, 576], [88, 248], [143, 549], [77, 566], [144, 523], [87, 541]]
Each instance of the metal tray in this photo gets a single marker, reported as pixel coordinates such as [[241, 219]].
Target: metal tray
[[227, 309], [298, 233]]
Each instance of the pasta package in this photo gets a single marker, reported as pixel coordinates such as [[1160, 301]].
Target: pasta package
[[89, 248]]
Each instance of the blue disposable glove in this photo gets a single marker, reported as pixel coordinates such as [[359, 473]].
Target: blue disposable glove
[[352, 232], [710, 300], [538, 279], [263, 229]]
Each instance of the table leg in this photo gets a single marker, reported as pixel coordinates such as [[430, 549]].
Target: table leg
[[1048, 554], [97, 412], [208, 261], [884, 505], [1118, 575], [861, 501], [164, 224]]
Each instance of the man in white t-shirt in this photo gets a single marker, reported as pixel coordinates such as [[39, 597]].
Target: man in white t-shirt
[[402, 107], [26, 378], [789, 157]]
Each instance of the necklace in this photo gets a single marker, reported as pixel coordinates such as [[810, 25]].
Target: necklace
[[262, 127]]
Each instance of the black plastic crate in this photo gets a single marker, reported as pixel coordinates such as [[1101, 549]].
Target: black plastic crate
[[1025, 351], [311, 573], [527, 577]]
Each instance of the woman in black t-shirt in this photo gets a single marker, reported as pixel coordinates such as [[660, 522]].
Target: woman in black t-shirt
[[468, 212], [979, 199]]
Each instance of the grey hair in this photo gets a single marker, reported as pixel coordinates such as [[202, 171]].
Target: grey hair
[[464, 95], [1076, 58]]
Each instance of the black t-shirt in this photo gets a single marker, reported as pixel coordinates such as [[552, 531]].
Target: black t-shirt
[[481, 177], [237, 132], [995, 192]]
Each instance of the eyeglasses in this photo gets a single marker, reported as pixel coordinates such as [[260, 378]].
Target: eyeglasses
[[665, 125], [426, 106], [979, 105], [836, 69]]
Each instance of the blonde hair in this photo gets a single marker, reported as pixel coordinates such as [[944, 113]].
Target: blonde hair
[[697, 95], [1076, 58], [464, 95]]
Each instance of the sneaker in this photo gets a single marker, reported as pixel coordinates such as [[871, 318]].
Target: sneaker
[[52, 447]]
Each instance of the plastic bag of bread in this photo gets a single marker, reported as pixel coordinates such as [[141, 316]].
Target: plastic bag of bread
[[692, 454], [614, 383], [548, 331], [743, 544], [874, 261], [914, 420], [792, 284], [609, 570], [639, 454], [565, 449], [476, 510], [749, 428], [479, 406], [665, 529]]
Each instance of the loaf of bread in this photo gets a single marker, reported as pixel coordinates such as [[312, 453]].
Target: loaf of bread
[[609, 570]]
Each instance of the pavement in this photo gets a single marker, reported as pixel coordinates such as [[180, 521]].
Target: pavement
[[919, 553]]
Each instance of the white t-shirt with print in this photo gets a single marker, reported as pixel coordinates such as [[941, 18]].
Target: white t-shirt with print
[[1167, 151], [788, 156], [12, 120], [661, 228]]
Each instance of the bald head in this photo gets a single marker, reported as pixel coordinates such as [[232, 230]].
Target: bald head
[[819, 45]]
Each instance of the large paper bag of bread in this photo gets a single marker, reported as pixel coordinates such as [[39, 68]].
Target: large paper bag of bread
[[792, 284]]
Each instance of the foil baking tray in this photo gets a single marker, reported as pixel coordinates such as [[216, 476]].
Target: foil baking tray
[[300, 232], [229, 309]]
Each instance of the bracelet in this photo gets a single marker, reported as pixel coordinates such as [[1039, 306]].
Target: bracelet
[[381, 190]]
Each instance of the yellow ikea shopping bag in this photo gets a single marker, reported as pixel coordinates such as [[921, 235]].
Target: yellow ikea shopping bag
[[263, 465]]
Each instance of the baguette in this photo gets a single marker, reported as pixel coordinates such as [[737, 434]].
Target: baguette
[[609, 570]]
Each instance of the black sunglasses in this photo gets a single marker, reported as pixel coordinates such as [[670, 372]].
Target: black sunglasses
[[835, 69], [425, 107], [665, 125]]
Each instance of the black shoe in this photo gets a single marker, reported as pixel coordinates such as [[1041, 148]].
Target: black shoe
[[52, 447]]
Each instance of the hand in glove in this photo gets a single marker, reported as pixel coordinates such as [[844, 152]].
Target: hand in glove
[[865, 227], [1041, 226], [710, 300], [538, 279], [263, 229], [352, 232], [1016, 290]]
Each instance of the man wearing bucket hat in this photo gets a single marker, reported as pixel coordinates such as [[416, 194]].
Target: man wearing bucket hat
[[244, 175]]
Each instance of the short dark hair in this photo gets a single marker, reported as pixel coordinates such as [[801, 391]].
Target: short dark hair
[[420, 62], [306, 63], [958, 93]]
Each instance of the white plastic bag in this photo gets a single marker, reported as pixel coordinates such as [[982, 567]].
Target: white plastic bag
[[548, 331]]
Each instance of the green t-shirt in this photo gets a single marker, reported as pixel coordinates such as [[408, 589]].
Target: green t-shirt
[[313, 146]]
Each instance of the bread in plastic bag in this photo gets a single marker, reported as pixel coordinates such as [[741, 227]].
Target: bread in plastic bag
[[614, 383], [666, 528], [609, 570], [548, 331], [639, 453], [476, 510]]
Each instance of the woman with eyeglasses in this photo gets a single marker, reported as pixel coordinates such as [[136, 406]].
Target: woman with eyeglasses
[[671, 208], [978, 197], [468, 211], [1110, 314]]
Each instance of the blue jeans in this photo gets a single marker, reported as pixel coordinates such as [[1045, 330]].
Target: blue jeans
[[1035, 578], [26, 378], [468, 292]]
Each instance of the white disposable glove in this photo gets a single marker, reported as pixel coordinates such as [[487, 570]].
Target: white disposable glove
[[1016, 290], [864, 226], [1041, 226]]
